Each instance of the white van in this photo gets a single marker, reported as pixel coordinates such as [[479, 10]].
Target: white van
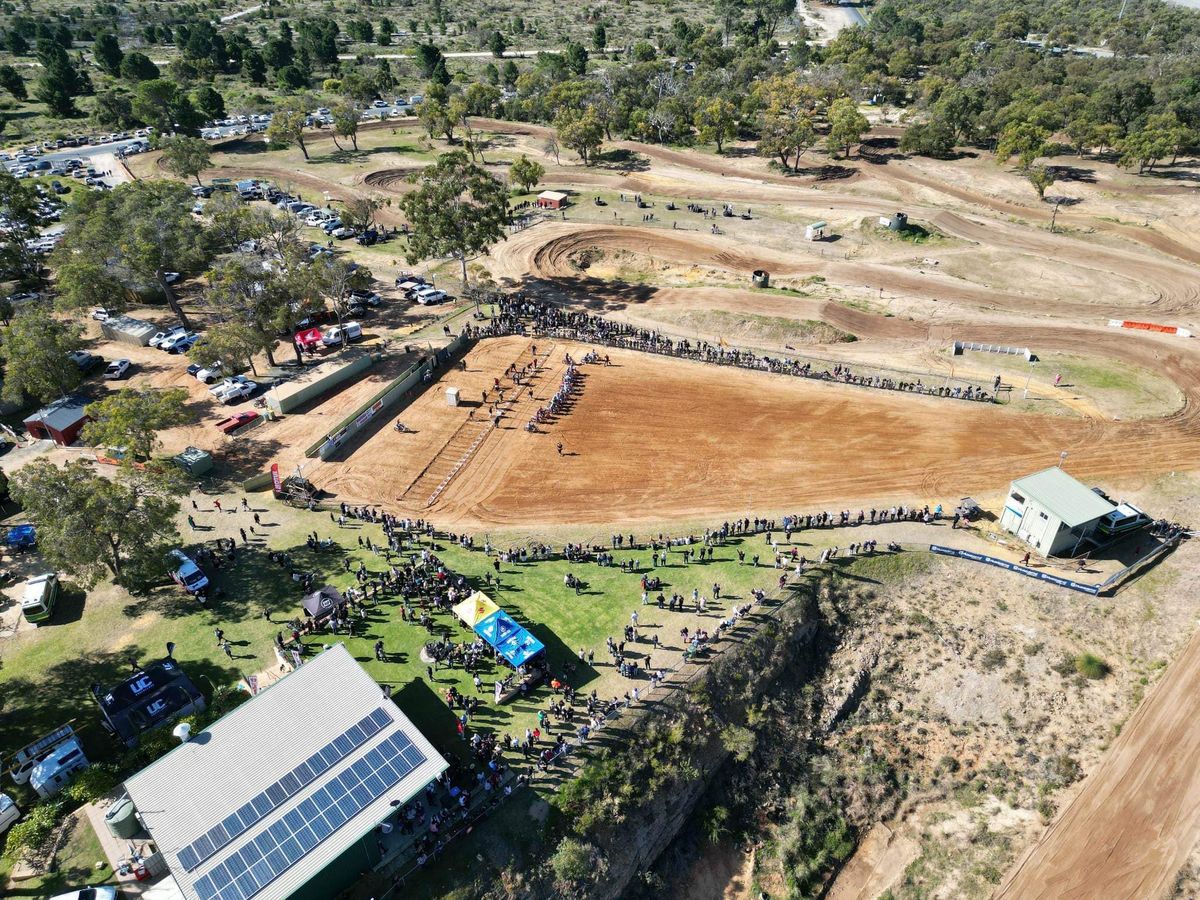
[[333, 335], [39, 597]]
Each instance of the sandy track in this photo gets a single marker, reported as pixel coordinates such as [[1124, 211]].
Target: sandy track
[[1137, 817], [550, 252]]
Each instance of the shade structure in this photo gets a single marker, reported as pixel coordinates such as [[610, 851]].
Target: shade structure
[[475, 609], [511, 640], [322, 603]]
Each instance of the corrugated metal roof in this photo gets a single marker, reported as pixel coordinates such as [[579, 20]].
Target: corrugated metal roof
[[1072, 502], [201, 783], [61, 414]]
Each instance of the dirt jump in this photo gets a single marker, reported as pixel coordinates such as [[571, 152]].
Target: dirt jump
[[650, 440]]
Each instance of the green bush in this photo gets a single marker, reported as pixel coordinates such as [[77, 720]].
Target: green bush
[[28, 838], [575, 862], [92, 783], [1091, 666]]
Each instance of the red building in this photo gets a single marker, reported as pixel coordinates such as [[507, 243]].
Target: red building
[[551, 199], [60, 422]]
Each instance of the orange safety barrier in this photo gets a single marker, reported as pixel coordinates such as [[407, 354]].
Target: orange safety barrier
[[1149, 326]]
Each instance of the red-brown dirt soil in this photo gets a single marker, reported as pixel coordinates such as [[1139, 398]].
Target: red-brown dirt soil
[[651, 438]]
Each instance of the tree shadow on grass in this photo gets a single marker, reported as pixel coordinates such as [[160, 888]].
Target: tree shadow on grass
[[33, 706]]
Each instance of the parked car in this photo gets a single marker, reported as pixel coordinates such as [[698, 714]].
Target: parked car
[[86, 361], [180, 343], [349, 331], [39, 597], [186, 573], [209, 374], [368, 298], [236, 421], [202, 190], [9, 812], [331, 226], [342, 233], [233, 389], [164, 336], [100, 314], [430, 296], [100, 892], [117, 369], [171, 277]]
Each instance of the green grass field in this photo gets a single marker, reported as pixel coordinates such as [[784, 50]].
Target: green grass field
[[46, 673]]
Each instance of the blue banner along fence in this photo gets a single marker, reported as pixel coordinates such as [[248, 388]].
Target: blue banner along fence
[[1092, 589]]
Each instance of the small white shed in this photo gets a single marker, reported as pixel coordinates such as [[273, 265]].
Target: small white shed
[[815, 231], [452, 398]]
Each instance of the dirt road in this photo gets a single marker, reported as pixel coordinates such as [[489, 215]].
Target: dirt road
[[1137, 817]]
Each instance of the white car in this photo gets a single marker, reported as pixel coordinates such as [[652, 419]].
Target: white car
[[159, 337], [117, 369], [429, 296], [238, 387], [100, 314], [209, 374], [101, 892], [176, 341]]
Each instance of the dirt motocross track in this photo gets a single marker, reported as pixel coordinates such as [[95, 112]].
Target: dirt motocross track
[[651, 439]]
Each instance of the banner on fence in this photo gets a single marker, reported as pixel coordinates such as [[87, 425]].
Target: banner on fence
[[276, 482], [1092, 589]]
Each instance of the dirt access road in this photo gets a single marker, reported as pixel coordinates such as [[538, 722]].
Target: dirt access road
[[1137, 817]]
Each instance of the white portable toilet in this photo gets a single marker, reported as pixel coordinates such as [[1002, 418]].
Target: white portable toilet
[[452, 396]]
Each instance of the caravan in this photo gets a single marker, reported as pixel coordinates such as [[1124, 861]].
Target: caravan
[[55, 771]]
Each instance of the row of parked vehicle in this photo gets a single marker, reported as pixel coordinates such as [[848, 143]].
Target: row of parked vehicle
[[415, 289]]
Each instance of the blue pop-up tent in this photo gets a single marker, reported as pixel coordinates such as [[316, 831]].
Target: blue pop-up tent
[[511, 640], [20, 537]]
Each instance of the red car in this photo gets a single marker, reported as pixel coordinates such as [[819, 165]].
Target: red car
[[234, 422]]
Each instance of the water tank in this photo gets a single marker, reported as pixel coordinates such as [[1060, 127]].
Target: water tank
[[122, 820], [760, 278]]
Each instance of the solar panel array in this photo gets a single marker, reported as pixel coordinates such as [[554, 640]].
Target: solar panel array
[[237, 823], [247, 871]]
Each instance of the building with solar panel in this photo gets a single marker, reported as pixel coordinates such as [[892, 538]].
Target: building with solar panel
[[280, 797]]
